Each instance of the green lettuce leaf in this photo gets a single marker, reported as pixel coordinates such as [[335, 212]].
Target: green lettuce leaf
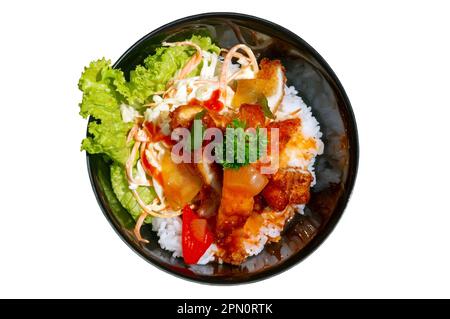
[[104, 177], [119, 184], [102, 100]]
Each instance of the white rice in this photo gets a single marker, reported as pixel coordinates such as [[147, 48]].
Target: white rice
[[169, 233], [300, 209], [310, 126], [268, 232], [255, 245], [292, 102]]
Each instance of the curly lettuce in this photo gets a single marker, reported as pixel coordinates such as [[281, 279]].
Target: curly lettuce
[[101, 100], [104, 178]]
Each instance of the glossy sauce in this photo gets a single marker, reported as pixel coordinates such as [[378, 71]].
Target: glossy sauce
[[212, 104], [156, 135], [150, 169], [181, 182]]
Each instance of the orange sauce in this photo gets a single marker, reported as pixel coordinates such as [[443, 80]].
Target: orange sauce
[[150, 169], [212, 104], [156, 135]]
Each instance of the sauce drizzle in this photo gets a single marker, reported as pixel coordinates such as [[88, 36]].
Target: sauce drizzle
[[212, 104], [156, 135]]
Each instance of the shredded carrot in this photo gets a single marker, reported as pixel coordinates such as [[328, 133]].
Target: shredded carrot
[[137, 227], [154, 209], [133, 131], [237, 73], [129, 163], [192, 63]]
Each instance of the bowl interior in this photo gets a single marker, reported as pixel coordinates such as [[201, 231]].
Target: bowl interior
[[335, 169]]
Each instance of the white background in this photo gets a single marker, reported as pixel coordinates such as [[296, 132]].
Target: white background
[[393, 240]]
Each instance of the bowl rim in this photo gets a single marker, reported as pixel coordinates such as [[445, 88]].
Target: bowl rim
[[335, 217]]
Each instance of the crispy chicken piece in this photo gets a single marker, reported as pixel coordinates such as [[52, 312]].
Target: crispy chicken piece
[[183, 115], [252, 115], [234, 211], [210, 118], [286, 129], [233, 244], [287, 186], [233, 249]]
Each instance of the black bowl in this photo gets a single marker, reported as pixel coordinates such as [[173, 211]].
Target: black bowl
[[336, 169]]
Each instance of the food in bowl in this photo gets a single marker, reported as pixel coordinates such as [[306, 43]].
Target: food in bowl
[[206, 144]]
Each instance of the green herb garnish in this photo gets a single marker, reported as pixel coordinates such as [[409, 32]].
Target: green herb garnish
[[241, 147], [262, 101]]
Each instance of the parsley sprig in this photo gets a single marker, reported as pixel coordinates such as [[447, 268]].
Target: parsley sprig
[[241, 146]]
